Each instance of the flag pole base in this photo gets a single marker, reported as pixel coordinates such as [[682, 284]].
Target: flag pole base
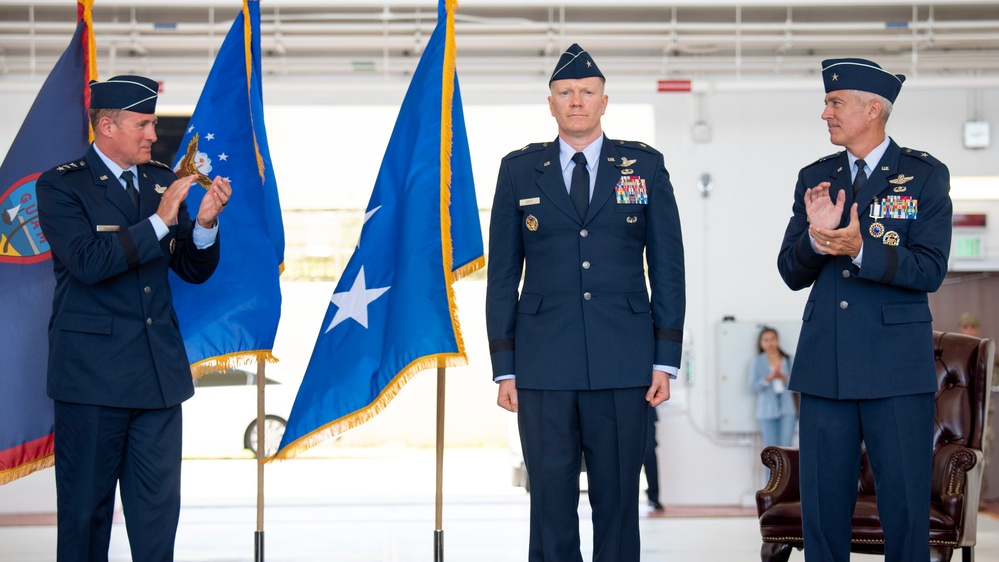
[[439, 545], [258, 546]]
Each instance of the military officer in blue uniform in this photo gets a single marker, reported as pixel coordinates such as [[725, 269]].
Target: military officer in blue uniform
[[870, 234], [116, 222], [580, 351]]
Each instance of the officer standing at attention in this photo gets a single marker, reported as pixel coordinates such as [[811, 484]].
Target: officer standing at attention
[[870, 233], [118, 370], [581, 351]]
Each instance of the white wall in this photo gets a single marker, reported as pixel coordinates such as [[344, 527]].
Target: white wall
[[759, 141]]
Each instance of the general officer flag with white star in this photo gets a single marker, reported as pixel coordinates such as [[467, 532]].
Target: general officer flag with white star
[[393, 311], [232, 318]]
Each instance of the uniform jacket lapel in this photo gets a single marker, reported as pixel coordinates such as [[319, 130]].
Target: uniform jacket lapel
[[149, 199], [113, 191], [551, 182], [607, 175], [878, 182], [840, 180]]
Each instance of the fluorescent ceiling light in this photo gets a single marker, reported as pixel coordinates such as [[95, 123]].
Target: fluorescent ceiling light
[[974, 187]]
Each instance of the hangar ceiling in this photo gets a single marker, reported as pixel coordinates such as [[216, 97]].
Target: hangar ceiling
[[518, 39]]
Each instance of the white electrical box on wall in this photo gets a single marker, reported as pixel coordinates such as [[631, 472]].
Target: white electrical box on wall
[[977, 134]]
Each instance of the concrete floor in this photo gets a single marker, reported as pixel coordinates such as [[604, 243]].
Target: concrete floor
[[377, 505]]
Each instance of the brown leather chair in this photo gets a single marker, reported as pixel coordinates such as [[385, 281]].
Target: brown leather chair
[[964, 371]]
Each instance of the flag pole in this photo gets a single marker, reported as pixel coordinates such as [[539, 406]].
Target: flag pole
[[439, 500], [258, 535]]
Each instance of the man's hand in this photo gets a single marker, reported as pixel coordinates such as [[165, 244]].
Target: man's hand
[[172, 198], [508, 395], [845, 241], [214, 202], [659, 391], [821, 210]]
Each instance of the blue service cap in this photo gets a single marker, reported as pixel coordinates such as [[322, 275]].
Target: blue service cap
[[860, 74], [575, 63], [134, 93]]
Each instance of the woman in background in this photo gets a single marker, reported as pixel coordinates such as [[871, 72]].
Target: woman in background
[[769, 373]]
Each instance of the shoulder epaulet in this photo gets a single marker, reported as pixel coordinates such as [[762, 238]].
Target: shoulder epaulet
[[527, 149], [635, 145], [920, 154], [159, 164], [72, 165], [825, 158]]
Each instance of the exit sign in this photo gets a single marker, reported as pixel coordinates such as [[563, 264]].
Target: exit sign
[[968, 247]]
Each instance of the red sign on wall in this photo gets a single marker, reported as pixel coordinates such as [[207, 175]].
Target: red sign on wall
[[674, 85]]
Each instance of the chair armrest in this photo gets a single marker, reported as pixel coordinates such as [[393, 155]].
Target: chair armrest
[[957, 480], [783, 483]]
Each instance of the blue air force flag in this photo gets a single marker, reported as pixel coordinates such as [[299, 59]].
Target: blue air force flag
[[393, 312], [232, 318]]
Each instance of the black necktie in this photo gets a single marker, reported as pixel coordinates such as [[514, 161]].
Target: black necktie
[[133, 193], [579, 188], [861, 179]]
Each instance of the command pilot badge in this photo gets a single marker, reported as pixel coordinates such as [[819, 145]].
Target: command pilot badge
[[900, 182], [531, 223], [160, 189]]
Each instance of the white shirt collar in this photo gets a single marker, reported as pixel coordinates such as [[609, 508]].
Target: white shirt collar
[[115, 168], [592, 153], [871, 160]]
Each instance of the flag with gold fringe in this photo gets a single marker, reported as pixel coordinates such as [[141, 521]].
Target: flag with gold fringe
[[232, 319], [56, 130], [393, 311]]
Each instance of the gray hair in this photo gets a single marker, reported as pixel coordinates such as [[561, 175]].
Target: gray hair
[[886, 106]]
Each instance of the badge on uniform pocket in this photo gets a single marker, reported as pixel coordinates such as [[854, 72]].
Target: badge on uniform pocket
[[531, 223]]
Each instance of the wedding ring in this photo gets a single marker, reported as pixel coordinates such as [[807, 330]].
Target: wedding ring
[[827, 242]]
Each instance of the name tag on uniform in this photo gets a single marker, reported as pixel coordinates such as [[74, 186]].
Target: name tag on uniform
[[108, 228], [531, 201]]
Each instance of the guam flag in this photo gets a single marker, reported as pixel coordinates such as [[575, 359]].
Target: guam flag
[[55, 131], [232, 318], [393, 312]]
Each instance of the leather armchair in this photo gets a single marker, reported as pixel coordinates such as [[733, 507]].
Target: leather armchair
[[964, 373]]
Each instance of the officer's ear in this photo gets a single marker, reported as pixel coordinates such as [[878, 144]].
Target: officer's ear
[[104, 125], [874, 108]]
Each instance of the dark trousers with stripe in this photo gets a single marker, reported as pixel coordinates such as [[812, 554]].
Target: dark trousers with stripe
[[608, 427], [898, 433], [99, 447]]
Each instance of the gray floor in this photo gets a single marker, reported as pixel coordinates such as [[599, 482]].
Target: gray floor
[[378, 506]]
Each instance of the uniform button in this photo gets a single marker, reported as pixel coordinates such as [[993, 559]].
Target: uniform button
[[149, 321], [843, 304], [586, 265], [846, 273], [587, 296], [148, 289], [584, 233]]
